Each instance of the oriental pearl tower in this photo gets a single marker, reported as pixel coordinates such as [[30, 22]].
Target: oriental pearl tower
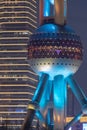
[[55, 53]]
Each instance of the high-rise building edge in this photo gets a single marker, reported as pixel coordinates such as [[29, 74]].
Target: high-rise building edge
[[18, 19]]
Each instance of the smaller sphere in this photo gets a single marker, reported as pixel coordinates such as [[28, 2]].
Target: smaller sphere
[[55, 50]]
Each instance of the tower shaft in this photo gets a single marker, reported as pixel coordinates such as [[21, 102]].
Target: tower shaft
[[60, 15], [53, 11]]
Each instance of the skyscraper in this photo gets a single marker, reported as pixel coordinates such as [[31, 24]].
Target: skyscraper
[[18, 19]]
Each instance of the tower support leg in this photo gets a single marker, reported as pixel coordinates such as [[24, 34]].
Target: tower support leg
[[49, 119], [60, 100], [77, 91], [29, 117], [33, 106]]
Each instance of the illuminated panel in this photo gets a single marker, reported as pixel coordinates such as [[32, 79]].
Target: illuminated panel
[[84, 126], [82, 119], [54, 52], [68, 119], [18, 20]]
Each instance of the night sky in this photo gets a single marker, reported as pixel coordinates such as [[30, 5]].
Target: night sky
[[77, 18]]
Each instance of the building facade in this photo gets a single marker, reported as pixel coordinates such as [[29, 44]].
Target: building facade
[[18, 19]]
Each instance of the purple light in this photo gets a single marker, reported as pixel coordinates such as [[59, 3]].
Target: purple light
[[58, 51]]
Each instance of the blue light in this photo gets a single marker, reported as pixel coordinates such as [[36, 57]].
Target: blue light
[[65, 8], [51, 1], [48, 117], [59, 92], [43, 100], [39, 115], [46, 8], [78, 118], [36, 93], [19, 110]]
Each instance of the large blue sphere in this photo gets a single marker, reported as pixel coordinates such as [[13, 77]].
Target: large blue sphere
[[55, 50]]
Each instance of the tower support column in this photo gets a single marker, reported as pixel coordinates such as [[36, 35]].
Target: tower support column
[[34, 105], [60, 97]]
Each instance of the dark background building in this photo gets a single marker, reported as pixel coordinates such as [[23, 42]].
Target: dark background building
[[77, 18]]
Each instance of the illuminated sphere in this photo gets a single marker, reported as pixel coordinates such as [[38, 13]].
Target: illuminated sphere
[[55, 50]]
